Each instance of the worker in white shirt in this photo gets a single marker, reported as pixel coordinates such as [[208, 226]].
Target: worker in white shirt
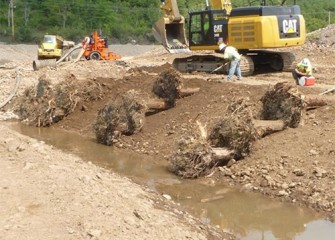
[[231, 55]]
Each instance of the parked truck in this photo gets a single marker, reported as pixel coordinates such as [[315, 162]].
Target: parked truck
[[53, 47]]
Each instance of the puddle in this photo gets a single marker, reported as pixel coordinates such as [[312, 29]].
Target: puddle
[[249, 215]]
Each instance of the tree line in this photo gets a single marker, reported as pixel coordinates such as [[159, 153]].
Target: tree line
[[120, 20]]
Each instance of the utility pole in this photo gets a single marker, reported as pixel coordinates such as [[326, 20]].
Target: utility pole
[[11, 7]]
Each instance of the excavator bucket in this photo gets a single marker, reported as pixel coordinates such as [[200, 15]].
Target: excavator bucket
[[171, 35]]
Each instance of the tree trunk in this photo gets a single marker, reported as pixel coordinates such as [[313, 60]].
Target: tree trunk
[[222, 154], [184, 92], [318, 101], [156, 104], [266, 127]]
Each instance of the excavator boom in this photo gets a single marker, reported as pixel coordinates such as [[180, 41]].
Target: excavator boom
[[220, 5]]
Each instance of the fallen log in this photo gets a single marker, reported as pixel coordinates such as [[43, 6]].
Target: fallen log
[[124, 115]]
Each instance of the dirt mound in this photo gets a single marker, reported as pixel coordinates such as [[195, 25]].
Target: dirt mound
[[323, 37]]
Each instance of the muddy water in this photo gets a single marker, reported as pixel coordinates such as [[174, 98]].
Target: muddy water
[[248, 215]]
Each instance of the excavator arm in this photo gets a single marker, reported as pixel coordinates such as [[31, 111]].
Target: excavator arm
[[171, 10], [170, 29], [220, 5]]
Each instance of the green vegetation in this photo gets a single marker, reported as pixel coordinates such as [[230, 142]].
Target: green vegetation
[[120, 20]]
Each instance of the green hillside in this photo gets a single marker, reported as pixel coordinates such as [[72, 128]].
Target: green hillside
[[120, 20]]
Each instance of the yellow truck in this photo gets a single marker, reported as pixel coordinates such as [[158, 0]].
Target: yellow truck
[[52, 47]]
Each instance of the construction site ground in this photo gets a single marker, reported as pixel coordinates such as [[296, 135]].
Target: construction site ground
[[294, 165]]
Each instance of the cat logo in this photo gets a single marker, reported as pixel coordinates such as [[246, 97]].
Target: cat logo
[[217, 28], [290, 26]]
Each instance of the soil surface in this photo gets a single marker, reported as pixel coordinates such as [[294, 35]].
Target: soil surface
[[294, 165]]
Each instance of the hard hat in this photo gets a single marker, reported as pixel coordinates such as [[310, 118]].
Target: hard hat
[[222, 46], [305, 62]]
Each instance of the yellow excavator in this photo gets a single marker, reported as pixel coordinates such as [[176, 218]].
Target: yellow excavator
[[258, 32]]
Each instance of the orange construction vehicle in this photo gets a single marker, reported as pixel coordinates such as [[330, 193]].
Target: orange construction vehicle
[[96, 48]]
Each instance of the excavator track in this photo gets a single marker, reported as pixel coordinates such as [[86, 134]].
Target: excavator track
[[253, 61], [289, 61], [271, 61], [199, 63], [247, 66], [210, 63]]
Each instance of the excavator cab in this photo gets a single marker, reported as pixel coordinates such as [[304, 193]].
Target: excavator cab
[[207, 28]]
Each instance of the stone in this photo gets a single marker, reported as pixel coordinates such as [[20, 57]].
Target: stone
[[231, 162], [283, 193], [298, 172]]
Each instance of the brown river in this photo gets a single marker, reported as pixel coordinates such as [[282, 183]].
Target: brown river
[[250, 216]]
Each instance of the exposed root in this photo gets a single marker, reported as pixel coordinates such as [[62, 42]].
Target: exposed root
[[167, 86], [235, 130], [46, 104], [283, 102], [193, 159], [123, 115]]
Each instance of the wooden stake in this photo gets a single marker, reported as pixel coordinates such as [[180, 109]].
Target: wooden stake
[[330, 90]]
